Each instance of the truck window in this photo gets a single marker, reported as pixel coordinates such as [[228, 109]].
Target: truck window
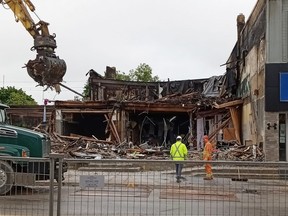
[[2, 116]]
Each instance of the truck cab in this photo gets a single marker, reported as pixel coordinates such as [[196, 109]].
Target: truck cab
[[23, 143]]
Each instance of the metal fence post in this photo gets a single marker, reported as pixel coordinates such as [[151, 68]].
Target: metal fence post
[[54, 158], [51, 188], [60, 174]]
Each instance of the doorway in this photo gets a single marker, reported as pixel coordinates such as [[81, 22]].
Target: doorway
[[283, 131]]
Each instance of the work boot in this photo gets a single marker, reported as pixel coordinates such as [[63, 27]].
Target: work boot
[[208, 178], [178, 179]]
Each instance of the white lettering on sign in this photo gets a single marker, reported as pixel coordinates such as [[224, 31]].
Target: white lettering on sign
[[91, 181]]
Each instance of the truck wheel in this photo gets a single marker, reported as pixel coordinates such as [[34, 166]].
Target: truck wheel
[[6, 177]]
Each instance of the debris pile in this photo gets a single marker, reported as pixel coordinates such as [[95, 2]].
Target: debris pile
[[241, 153], [195, 98], [92, 148], [232, 151]]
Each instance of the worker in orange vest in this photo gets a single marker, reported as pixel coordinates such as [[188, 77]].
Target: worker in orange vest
[[207, 156]]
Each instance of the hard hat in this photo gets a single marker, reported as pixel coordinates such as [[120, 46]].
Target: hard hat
[[179, 137]]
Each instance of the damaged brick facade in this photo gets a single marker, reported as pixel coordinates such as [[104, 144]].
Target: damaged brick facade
[[258, 59]]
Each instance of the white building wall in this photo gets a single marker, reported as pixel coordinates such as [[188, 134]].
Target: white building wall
[[277, 29]]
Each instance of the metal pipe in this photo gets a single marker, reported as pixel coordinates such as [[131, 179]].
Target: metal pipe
[[51, 192], [59, 184]]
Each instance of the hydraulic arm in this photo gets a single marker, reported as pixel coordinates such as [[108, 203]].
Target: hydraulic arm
[[47, 69]]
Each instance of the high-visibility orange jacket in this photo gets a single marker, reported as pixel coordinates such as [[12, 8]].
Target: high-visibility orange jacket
[[208, 150], [178, 151]]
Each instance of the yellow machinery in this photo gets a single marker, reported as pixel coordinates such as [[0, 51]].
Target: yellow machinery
[[47, 69]]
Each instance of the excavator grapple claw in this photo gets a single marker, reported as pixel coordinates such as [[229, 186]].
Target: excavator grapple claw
[[46, 71]]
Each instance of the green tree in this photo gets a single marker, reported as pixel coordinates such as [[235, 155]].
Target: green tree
[[86, 90], [143, 73], [122, 76], [13, 96]]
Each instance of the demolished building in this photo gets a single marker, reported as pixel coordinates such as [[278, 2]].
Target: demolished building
[[150, 112], [145, 114], [247, 105]]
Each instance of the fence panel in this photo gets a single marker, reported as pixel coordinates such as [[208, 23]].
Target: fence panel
[[23, 188], [141, 187]]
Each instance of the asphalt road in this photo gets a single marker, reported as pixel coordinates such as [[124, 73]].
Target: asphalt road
[[152, 193]]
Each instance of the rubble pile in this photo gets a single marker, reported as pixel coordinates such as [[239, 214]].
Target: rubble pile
[[92, 148], [239, 153]]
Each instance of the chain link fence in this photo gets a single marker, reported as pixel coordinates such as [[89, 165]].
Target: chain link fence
[[142, 187]]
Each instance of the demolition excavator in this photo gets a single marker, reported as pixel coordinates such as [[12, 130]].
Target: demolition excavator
[[47, 69]]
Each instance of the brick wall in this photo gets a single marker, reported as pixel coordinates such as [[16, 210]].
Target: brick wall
[[271, 142]]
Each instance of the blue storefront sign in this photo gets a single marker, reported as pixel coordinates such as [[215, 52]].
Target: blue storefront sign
[[284, 86]]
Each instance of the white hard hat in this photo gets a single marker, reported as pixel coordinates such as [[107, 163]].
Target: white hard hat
[[178, 137]]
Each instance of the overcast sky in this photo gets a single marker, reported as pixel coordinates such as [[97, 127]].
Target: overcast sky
[[179, 39]]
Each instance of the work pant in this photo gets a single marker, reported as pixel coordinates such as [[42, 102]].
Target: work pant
[[178, 170], [208, 167]]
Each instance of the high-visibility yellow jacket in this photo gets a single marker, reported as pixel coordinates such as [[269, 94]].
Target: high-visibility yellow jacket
[[178, 151]]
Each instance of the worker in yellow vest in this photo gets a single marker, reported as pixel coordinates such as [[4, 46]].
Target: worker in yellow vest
[[178, 152]]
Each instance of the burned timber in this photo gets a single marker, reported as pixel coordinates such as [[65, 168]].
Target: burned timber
[[142, 119]]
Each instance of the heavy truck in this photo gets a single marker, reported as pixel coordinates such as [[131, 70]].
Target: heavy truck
[[47, 70], [18, 142]]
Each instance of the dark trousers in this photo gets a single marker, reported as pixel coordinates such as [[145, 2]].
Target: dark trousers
[[178, 170]]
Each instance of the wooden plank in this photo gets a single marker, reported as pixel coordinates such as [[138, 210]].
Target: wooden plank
[[84, 138], [236, 119], [84, 111], [228, 104], [113, 128], [116, 132], [221, 126], [229, 134]]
